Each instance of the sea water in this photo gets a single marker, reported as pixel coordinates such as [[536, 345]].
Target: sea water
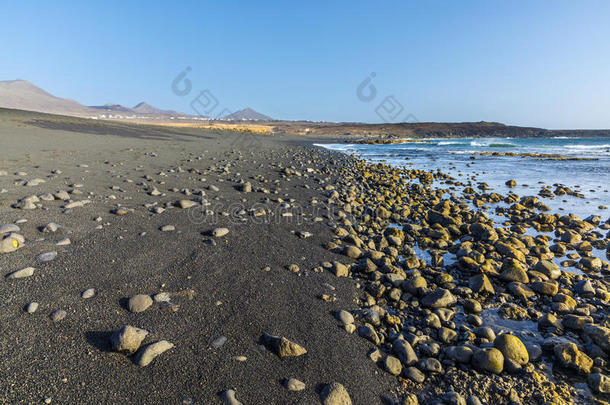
[[458, 158]]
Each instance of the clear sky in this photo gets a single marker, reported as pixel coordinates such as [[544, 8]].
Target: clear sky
[[535, 63]]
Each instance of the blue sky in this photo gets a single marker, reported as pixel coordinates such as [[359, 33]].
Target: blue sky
[[536, 63]]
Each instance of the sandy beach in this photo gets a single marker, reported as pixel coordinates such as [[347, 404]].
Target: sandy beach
[[212, 240]]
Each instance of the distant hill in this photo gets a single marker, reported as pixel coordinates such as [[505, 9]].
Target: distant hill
[[247, 114], [145, 108], [23, 95]]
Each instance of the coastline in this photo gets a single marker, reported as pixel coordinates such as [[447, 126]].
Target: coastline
[[243, 284]]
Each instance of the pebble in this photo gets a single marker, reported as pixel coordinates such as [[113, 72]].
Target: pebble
[[51, 227], [148, 353], [282, 346], [185, 204], [218, 342], [292, 384], [63, 242], [220, 232], [167, 228], [139, 303], [58, 315], [46, 257], [162, 297], [228, 398], [88, 293], [23, 273], [31, 307]]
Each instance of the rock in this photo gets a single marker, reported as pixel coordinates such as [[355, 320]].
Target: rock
[[461, 354], [405, 352], [335, 394], [185, 204], [88, 293], [512, 348], [569, 356], [392, 365], [220, 232], [514, 270], [414, 374], [599, 383], [9, 228], [162, 297], [282, 346], [27, 272], [591, 263], [345, 317], [127, 339], [439, 298], [218, 342], [51, 227], [139, 303], [584, 288], [148, 353], [488, 359], [368, 332], [245, 187], [63, 242], [340, 270], [167, 228], [31, 307], [481, 284], [292, 384], [228, 398], [430, 365], [548, 268], [46, 257], [353, 252], [304, 234], [600, 335], [58, 315], [10, 244]]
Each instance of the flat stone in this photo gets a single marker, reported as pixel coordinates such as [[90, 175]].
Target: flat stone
[[27, 272], [46, 257], [63, 242], [8, 228], [185, 204]]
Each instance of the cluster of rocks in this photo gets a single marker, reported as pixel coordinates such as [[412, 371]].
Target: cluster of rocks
[[425, 316]]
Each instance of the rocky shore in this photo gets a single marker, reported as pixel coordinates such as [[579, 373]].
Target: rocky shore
[[195, 266]]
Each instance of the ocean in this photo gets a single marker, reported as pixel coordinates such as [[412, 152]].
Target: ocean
[[460, 158]]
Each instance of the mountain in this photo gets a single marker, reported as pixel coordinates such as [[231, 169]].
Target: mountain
[[113, 108], [23, 95], [247, 114], [145, 108]]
